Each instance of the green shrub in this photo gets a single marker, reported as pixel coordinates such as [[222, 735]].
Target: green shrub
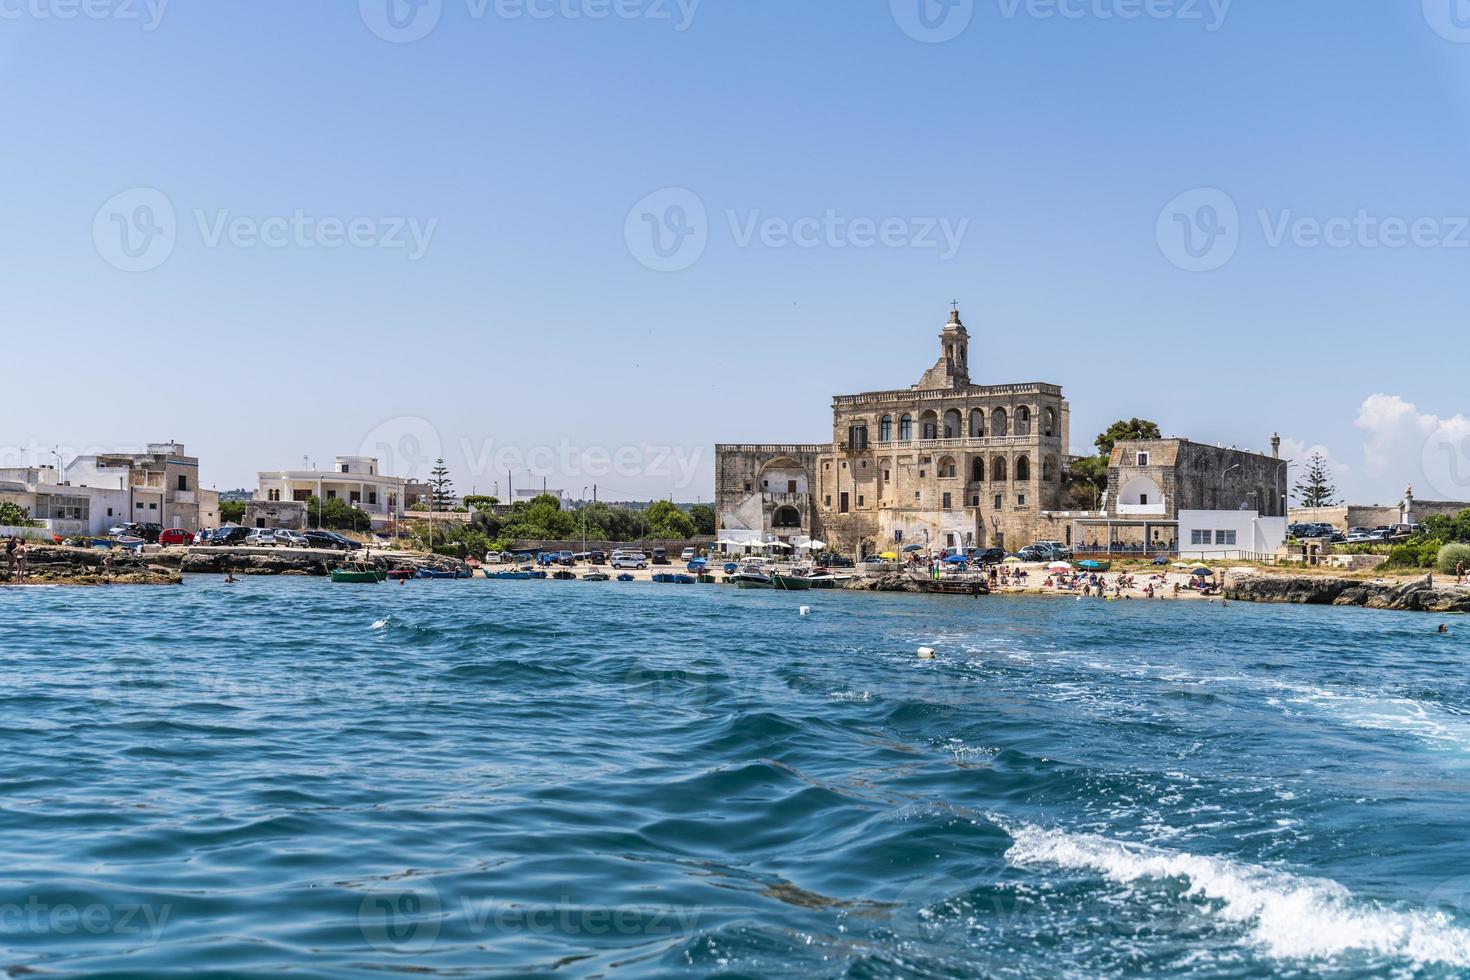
[[1415, 554], [1452, 553]]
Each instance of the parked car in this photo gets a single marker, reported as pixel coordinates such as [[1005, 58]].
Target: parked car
[[291, 539], [259, 537], [1033, 553], [625, 559], [688, 554], [228, 536], [330, 539], [1056, 551], [660, 556], [566, 558], [597, 558], [991, 556], [829, 560], [175, 536], [202, 535], [135, 529]]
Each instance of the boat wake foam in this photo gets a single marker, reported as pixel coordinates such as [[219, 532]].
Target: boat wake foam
[[1287, 916]]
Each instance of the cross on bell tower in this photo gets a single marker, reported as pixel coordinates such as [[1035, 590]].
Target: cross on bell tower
[[953, 368]]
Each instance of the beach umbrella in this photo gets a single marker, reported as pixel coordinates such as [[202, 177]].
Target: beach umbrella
[[956, 560], [817, 546], [779, 544], [888, 556], [1202, 573], [1090, 565], [1011, 560], [913, 547], [1059, 566], [1181, 564]]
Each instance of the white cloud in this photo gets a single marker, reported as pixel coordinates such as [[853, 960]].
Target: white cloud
[[1402, 443]]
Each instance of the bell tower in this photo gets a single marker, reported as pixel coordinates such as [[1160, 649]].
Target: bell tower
[[953, 368]]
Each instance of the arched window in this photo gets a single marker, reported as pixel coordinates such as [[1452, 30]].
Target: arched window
[[1049, 423], [885, 429], [998, 470], [906, 428], [977, 470], [1023, 469], [1023, 421], [977, 423], [954, 424], [786, 517], [929, 425], [1000, 423], [1049, 469], [947, 470]]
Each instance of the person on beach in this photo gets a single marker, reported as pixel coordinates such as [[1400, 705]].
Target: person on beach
[[10, 555], [20, 560], [1459, 573]]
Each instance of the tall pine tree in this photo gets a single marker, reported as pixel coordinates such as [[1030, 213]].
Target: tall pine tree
[[1315, 488], [441, 485]]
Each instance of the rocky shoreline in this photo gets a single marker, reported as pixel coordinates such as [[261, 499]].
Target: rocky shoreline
[[59, 565], [1312, 590]]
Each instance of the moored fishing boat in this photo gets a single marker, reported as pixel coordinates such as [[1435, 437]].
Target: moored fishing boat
[[625, 577], [596, 577], [791, 583], [358, 574], [434, 573], [674, 578], [515, 576], [401, 574]]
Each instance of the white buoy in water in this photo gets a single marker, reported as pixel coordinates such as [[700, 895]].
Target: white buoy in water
[[806, 610], [926, 653]]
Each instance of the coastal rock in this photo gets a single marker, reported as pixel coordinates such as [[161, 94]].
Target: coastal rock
[[1318, 590], [884, 582], [54, 565], [292, 561]]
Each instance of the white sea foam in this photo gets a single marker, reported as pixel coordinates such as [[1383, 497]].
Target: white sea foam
[[1427, 722], [1285, 915], [381, 624]]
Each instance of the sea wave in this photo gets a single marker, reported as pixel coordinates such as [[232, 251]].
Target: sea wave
[[1287, 916]]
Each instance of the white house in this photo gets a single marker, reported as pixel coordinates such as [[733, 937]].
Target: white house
[[353, 479], [63, 509], [1229, 534]]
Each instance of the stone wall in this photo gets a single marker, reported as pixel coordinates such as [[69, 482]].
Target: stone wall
[[288, 514]]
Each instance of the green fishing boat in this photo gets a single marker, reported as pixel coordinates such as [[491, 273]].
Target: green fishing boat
[[358, 575], [791, 583]]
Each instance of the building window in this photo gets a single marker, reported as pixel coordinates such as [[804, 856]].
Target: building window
[[331, 495], [905, 428], [109, 512], [1143, 459], [354, 496], [1225, 537], [860, 500], [842, 504], [183, 483], [152, 506], [1020, 500], [977, 423], [1023, 469], [1050, 429], [1199, 537], [947, 469], [747, 486], [140, 505], [975, 500], [999, 503], [373, 497], [827, 500], [1143, 500], [857, 437], [1000, 425], [790, 486], [946, 503], [885, 429], [888, 475]]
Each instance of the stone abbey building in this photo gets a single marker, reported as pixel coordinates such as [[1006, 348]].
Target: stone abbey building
[[944, 463]]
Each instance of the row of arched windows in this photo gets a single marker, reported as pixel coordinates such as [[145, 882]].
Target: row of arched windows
[[999, 469], [952, 425]]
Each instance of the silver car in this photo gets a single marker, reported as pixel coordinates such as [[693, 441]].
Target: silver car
[[291, 539]]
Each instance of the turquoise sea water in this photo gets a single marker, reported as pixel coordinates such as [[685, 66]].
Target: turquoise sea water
[[578, 779]]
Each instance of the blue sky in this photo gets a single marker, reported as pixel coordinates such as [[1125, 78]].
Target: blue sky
[[435, 243]]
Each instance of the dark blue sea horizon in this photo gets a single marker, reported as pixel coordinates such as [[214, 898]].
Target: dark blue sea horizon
[[605, 779]]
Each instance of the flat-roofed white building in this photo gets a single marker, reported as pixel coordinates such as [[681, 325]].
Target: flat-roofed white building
[[355, 480]]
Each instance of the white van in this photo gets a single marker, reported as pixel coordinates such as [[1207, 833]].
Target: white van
[[689, 555]]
